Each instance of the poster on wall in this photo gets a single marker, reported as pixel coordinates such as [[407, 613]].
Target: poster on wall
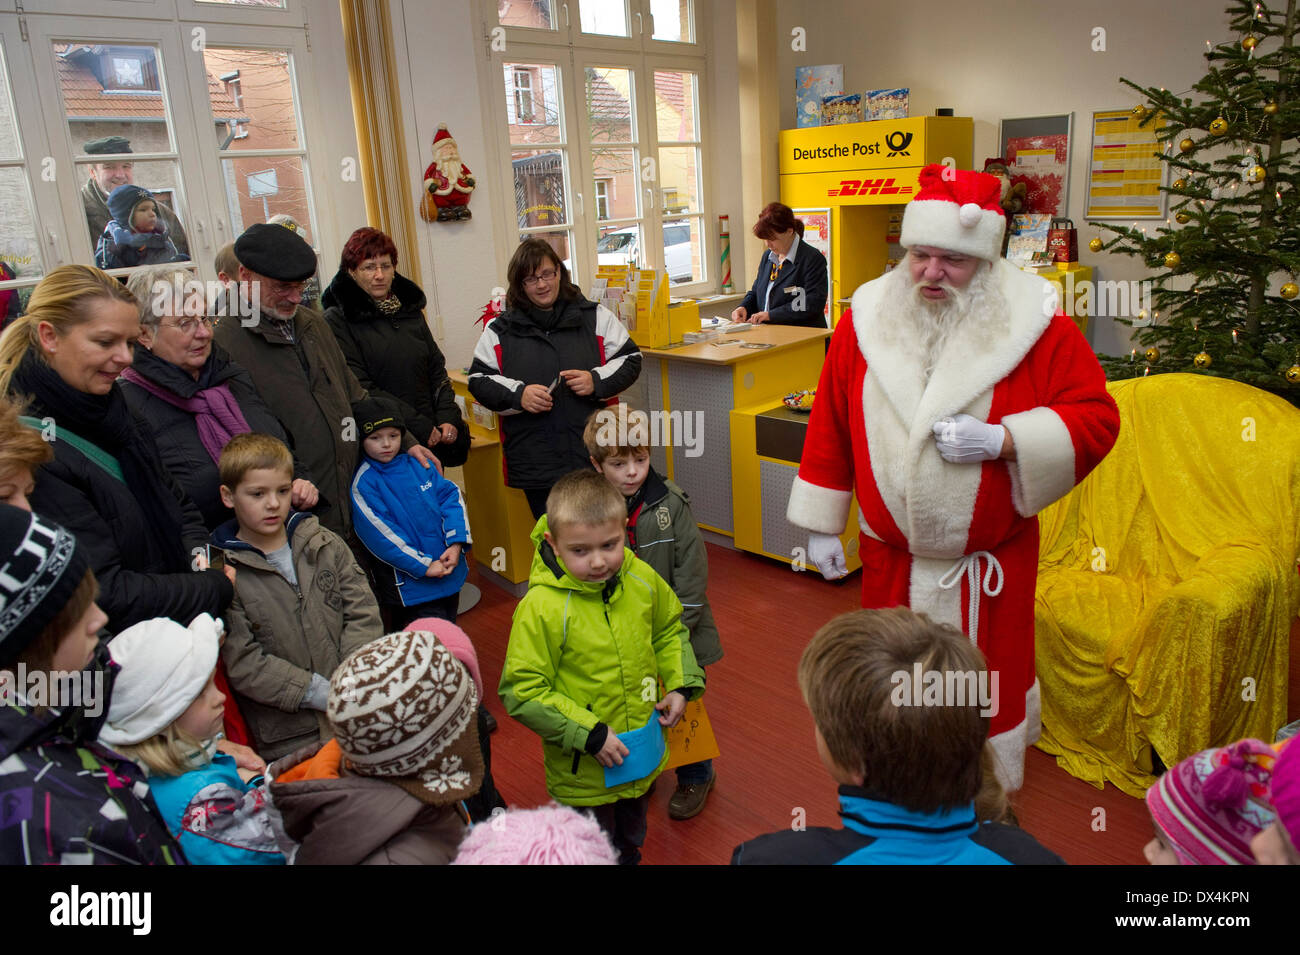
[[811, 84], [817, 233], [1124, 169], [1037, 152]]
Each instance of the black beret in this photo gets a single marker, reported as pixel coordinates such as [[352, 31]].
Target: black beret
[[109, 144], [275, 252]]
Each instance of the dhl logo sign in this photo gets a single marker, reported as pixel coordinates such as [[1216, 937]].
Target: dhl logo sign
[[869, 187]]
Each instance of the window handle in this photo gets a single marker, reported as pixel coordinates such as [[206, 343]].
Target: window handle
[[221, 227], [52, 238], [566, 15], [640, 23], [578, 196]]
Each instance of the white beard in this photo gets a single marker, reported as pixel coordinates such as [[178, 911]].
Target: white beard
[[922, 326], [448, 164]]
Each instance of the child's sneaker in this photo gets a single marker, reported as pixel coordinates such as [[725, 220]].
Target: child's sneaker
[[689, 798]]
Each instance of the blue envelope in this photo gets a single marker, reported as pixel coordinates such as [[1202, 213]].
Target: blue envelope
[[645, 749]]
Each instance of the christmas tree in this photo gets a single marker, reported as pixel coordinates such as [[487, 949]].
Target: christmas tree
[[1224, 297]]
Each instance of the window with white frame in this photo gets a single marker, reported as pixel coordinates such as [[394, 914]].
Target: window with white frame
[[616, 173]]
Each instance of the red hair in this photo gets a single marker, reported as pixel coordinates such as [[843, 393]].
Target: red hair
[[367, 243], [776, 218]]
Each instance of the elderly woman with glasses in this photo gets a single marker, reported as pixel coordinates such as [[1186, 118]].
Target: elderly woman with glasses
[[193, 397], [545, 364]]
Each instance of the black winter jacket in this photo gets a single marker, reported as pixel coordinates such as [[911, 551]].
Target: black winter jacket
[[514, 352], [135, 583], [176, 431], [395, 357]]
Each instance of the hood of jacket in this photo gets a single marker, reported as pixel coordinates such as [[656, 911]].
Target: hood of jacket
[[217, 369], [300, 524], [349, 818], [343, 292]]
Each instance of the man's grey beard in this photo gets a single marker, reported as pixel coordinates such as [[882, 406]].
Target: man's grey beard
[[922, 326]]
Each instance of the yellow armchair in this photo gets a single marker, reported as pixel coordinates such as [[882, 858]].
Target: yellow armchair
[[1167, 581]]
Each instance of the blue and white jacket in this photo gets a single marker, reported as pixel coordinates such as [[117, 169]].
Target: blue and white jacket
[[407, 515], [881, 833]]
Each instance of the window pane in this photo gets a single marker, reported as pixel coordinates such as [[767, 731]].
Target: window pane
[[538, 14], [679, 179], [559, 241], [161, 177], [609, 106], [540, 198], [20, 251], [113, 91], [676, 97], [259, 187], [672, 20], [533, 103], [247, 3], [10, 147], [616, 167], [607, 17], [684, 250], [252, 98], [619, 245]]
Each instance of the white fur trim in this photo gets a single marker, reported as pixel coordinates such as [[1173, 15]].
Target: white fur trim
[[1009, 747], [943, 224], [1044, 467], [819, 509], [927, 597]]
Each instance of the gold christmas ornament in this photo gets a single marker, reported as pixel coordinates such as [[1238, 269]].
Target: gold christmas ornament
[[1186, 145], [1179, 185], [1182, 218], [1219, 126], [1271, 107], [1293, 374], [1290, 290], [1173, 260], [1203, 360], [1249, 43], [1140, 111], [1153, 354], [1096, 245], [1258, 173]]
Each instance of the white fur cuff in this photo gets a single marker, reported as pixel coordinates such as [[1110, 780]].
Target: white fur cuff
[[1044, 467], [819, 509]]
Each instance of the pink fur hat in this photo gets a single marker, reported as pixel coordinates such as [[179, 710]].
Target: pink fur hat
[[549, 835], [454, 639]]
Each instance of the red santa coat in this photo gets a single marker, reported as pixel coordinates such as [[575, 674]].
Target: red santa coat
[[933, 534], [445, 192]]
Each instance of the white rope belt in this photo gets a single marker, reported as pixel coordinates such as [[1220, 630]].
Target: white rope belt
[[968, 567]]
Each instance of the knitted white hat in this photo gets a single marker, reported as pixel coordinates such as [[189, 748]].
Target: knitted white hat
[[403, 708], [956, 210], [164, 669]]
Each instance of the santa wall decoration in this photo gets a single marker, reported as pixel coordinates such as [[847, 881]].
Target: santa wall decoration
[[447, 182]]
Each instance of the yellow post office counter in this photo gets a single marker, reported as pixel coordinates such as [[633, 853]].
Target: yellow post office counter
[[696, 387], [766, 446]]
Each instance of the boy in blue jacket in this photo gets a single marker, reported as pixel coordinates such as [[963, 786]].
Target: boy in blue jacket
[[412, 519], [901, 707]]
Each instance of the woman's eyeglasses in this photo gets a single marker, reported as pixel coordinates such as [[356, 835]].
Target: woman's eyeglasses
[[548, 277], [189, 326]]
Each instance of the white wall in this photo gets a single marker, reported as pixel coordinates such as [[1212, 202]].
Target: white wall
[[1003, 59]]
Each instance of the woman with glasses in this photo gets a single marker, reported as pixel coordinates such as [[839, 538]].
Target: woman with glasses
[[545, 364], [107, 483], [193, 397], [377, 315]]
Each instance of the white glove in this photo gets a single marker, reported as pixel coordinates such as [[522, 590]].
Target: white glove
[[966, 440], [827, 554]]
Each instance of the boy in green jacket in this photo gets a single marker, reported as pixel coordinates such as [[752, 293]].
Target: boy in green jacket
[[661, 531], [593, 638]]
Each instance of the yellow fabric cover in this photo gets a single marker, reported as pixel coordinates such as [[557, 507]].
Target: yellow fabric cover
[[1167, 581]]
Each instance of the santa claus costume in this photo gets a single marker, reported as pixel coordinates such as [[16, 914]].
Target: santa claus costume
[[958, 542], [447, 179]]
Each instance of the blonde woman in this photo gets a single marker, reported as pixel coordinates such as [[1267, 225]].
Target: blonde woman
[[107, 483]]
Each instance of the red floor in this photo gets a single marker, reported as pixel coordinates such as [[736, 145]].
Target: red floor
[[768, 770]]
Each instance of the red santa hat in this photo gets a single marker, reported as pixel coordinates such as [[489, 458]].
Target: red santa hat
[[957, 210], [441, 134]]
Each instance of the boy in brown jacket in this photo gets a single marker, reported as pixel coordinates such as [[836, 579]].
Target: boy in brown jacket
[[301, 602]]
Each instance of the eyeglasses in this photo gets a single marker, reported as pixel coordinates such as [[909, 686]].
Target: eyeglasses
[[548, 277], [189, 326], [367, 268]]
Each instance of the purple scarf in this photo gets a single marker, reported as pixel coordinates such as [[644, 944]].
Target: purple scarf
[[216, 413]]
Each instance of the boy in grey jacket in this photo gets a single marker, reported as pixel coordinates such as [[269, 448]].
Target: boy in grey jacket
[[661, 531], [301, 602]]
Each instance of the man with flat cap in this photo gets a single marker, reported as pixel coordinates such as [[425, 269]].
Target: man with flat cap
[[297, 366], [108, 175]]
